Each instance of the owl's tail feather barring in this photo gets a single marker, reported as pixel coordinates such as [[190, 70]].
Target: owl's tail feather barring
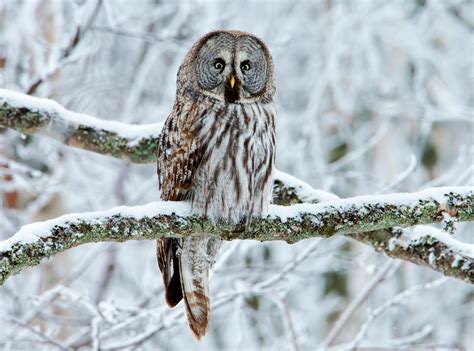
[[195, 291], [183, 279]]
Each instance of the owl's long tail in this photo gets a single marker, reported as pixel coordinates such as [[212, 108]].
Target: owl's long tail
[[195, 288], [189, 259]]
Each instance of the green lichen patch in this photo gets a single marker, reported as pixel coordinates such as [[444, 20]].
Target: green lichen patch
[[22, 119], [284, 195]]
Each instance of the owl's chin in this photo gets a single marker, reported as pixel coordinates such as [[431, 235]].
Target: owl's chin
[[238, 98], [231, 95]]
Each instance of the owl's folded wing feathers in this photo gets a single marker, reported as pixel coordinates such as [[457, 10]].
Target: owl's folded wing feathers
[[179, 155]]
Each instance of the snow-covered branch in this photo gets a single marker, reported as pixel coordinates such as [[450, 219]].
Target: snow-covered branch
[[31, 115], [363, 218]]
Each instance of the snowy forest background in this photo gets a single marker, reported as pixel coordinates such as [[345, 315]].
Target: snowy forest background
[[373, 97]]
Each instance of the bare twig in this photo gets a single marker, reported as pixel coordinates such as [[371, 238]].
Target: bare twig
[[44, 338], [344, 318], [397, 299], [67, 50]]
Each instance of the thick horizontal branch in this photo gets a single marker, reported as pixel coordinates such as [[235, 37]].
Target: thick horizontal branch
[[361, 218]]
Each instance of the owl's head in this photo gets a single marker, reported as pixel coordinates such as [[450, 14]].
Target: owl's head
[[230, 66]]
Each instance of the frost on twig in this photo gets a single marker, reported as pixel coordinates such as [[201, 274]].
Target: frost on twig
[[362, 218], [67, 50]]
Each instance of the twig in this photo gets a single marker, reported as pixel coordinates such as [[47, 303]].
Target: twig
[[344, 318], [35, 332], [67, 51], [397, 299]]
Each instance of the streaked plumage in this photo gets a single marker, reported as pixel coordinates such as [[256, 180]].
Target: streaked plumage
[[217, 151]]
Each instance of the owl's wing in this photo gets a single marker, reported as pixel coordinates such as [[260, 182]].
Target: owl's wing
[[169, 267], [179, 156]]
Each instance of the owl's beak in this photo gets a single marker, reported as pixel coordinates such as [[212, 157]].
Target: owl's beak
[[232, 80]]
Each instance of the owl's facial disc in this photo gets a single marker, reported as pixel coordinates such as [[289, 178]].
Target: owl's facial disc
[[251, 67], [233, 69], [214, 63]]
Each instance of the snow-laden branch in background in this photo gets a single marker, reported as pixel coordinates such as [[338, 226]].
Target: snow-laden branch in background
[[31, 115], [364, 218], [67, 50], [135, 143]]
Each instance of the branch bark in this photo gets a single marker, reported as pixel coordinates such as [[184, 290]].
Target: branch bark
[[361, 218], [30, 115], [368, 219]]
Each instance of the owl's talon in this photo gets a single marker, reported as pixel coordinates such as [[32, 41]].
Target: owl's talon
[[177, 247]]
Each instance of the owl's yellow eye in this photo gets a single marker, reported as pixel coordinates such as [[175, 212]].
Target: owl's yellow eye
[[245, 66], [219, 64]]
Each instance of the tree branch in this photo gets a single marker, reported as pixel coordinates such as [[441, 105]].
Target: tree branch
[[361, 218], [31, 115], [368, 219], [425, 246]]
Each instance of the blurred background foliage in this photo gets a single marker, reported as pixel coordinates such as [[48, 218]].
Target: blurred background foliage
[[373, 97]]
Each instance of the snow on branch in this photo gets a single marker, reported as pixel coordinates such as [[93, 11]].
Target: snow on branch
[[31, 115], [363, 218]]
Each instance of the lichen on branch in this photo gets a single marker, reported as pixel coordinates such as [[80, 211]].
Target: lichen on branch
[[31, 115]]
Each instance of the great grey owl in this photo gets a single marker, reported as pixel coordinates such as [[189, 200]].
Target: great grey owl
[[217, 151]]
